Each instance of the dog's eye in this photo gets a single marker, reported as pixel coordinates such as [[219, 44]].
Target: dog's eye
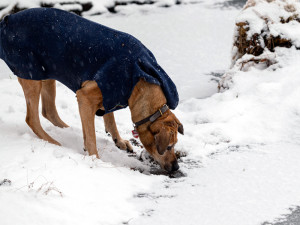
[[170, 147]]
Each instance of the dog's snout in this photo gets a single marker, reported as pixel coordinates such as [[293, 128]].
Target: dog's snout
[[172, 167], [175, 166]]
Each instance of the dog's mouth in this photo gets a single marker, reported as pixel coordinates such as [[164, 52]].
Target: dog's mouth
[[174, 174]]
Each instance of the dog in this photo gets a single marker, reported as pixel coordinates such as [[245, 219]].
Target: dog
[[107, 69]]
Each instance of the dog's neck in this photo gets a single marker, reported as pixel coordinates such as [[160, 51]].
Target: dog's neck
[[145, 100]]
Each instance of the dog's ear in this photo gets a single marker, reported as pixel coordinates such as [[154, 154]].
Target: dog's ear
[[162, 141], [180, 129], [180, 126]]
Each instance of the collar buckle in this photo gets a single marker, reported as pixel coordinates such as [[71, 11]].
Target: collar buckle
[[160, 112]]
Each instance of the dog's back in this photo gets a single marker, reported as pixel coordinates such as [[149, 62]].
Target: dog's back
[[47, 43], [44, 43]]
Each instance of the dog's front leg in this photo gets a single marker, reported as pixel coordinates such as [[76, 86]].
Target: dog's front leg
[[111, 127], [89, 99], [88, 127]]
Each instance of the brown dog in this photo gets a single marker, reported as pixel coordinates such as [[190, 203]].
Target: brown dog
[[158, 137], [107, 69]]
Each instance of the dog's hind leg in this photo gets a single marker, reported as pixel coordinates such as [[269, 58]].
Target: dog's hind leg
[[32, 90], [49, 111], [111, 127], [89, 99]]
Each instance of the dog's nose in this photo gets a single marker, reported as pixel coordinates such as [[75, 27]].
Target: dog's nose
[[175, 166]]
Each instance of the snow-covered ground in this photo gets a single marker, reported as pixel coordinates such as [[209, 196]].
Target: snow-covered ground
[[96, 7], [242, 146]]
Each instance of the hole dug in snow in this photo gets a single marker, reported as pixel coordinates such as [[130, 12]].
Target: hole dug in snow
[[154, 168]]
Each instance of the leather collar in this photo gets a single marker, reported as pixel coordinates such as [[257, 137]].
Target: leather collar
[[152, 117]]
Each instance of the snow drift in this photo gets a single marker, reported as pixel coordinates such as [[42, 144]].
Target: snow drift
[[261, 28]]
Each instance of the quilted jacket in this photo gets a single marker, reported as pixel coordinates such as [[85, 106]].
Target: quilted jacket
[[44, 43]]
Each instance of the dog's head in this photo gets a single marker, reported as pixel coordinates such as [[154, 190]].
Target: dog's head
[[159, 139]]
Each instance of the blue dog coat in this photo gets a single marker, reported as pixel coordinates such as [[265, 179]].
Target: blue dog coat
[[44, 43]]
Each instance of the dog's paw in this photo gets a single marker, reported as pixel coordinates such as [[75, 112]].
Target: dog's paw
[[123, 145]]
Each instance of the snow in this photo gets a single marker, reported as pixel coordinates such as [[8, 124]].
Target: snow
[[265, 16], [242, 145], [97, 7], [291, 32]]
